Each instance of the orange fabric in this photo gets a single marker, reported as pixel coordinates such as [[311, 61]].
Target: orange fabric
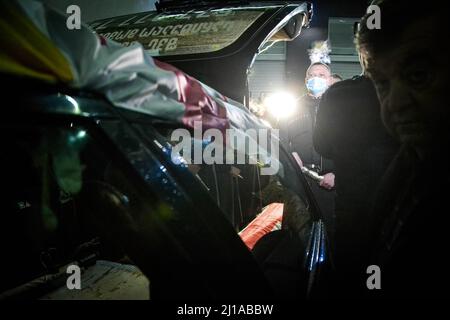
[[262, 224]]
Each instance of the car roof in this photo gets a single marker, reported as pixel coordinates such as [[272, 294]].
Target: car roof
[[24, 95]]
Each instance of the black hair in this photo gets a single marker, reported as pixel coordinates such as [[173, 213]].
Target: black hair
[[396, 17]]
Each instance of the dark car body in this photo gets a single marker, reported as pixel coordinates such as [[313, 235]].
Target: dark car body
[[132, 198], [196, 245]]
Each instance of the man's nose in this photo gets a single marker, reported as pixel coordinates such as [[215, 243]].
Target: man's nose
[[399, 97]]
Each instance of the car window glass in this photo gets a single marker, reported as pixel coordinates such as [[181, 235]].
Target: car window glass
[[241, 191], [64, 199]]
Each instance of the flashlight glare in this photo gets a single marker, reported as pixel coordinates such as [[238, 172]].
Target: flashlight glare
[[280, 104]]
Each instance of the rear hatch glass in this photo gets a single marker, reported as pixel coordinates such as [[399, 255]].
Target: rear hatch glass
[[193, 32]]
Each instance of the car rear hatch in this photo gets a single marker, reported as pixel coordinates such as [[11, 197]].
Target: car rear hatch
[[215, 42]]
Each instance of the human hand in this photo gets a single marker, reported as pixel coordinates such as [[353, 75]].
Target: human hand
[[328, 181]]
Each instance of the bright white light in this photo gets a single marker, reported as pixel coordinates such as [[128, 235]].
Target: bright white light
[[76, 107], [280, 104], [81, 134]]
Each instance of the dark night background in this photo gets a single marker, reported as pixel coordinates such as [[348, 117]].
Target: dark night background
[[297, 50]]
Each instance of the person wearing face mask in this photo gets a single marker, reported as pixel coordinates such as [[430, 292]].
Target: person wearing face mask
[[300, 126], [299, 132], [318, 79]]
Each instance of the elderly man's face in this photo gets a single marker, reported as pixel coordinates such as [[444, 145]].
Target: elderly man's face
[[411, 82], [320, 72], [318, 79]]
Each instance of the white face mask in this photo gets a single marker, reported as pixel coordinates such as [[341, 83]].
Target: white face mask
[[316, 86]]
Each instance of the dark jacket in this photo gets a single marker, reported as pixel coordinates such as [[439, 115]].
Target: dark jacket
[[349, 131], [411, 215], [298, 131]]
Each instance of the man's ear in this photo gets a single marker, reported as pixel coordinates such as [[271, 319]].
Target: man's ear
[[361, 62]]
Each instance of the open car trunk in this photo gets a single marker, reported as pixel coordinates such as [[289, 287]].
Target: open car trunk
[[215, 42]]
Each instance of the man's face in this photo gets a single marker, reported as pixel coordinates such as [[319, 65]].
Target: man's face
[[318, 79], [411, 82], [320, 72]]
